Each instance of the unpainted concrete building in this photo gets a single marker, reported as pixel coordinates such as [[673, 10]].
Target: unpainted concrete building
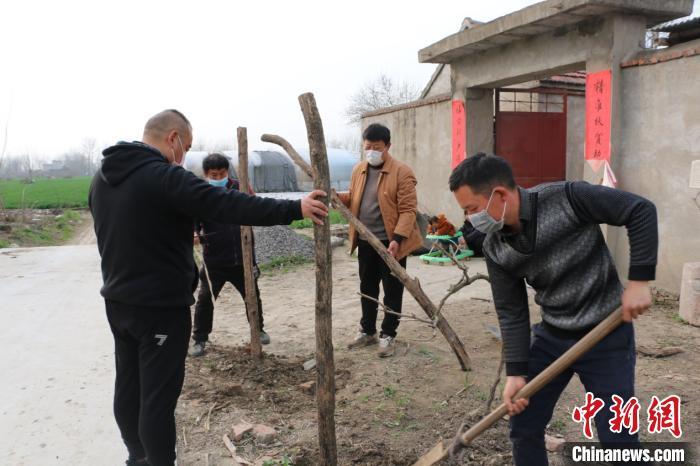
[[519, 79]]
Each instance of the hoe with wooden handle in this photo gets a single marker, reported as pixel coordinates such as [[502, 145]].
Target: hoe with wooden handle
[[439, 452]]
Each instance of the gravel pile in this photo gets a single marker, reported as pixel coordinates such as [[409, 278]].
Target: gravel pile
[[280, 241]]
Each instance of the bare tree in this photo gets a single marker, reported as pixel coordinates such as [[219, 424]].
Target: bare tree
[[380, 93], [26, 165], [4, 142], [10, 168], [88, 149], [73, 163]]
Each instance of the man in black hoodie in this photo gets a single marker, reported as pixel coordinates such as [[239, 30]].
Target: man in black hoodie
[[143, 204]]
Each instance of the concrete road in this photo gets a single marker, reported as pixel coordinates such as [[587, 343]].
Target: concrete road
[[56, 360]]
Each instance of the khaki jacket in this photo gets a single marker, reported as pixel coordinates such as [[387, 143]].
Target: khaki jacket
[[397, 202]]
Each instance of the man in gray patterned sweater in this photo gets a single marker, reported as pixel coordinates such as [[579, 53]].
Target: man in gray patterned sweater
[[549, 236]]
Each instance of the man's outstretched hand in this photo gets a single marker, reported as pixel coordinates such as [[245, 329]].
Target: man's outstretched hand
[[314, 209]]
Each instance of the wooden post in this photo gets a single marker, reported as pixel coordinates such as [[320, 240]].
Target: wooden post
[[411, 284], [251, 298], [325, 366]]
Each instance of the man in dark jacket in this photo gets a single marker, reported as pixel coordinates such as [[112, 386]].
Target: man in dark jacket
[[144, 206], [223, 260], [549, 236]]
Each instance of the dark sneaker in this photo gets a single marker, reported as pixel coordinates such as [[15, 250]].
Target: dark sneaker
[[198, 349], [386, 346], [264, 338], [362, 339]]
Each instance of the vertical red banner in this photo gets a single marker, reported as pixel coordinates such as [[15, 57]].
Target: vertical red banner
[[598, 117], [459, 132]]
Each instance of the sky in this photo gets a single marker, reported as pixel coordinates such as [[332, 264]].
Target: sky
[[72, 70]]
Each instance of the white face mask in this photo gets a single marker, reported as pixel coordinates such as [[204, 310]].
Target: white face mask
[[182, 162], [486, 224], [374, 157]]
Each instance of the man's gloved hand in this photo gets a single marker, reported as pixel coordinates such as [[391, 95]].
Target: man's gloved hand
[[256, 271]]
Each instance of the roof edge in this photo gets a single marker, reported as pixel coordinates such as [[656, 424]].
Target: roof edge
[[512, 24], [683, 50]]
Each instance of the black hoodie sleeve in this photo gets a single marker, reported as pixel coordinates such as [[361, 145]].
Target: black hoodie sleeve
[[198, 199]]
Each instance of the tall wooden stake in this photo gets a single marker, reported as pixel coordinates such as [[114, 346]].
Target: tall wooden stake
[[325, 366], [411, 284], [251, 298]]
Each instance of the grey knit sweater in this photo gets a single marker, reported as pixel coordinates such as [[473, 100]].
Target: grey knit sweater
[[560, 251], [370, 215]]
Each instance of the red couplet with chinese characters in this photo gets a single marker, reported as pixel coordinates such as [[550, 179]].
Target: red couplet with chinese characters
[[598, 111], [459, 132]]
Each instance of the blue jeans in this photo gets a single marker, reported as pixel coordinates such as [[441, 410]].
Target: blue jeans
[[606, 370]]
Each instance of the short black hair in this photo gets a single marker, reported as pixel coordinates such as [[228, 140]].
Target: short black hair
[[215, 161], [377, 132], [482, 173]]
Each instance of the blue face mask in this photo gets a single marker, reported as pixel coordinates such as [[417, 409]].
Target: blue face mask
[[486, 224], [218, 183]]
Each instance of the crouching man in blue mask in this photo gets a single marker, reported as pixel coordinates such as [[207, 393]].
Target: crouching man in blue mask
[[223, 257], [549, 236]]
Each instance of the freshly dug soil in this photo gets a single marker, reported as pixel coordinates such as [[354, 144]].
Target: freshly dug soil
[[389, 411]]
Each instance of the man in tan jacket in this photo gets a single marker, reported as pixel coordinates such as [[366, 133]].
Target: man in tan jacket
[[383, 197]]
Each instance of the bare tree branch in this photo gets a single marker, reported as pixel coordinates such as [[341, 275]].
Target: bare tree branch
[[466, 279], [412, 285], [492, 393], [380, 93], [388, 310]]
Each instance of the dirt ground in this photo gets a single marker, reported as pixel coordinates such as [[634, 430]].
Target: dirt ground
[[389, 411], [45, 227], [85, 232]]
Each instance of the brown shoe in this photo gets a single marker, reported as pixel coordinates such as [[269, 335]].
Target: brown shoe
[[362, 339], [386, 347]]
